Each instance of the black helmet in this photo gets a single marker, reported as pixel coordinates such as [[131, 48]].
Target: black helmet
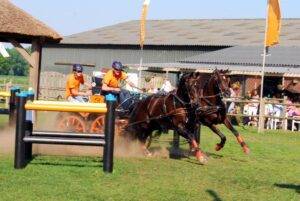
[[77, 68], [117, 65]]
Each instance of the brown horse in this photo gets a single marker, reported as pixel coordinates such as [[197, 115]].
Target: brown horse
[[212, 109], [172, 111]]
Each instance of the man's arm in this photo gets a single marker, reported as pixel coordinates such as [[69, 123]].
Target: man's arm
[[107, 88], [75, 92]]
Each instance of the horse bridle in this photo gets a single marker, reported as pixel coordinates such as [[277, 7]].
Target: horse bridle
[[205, 98]]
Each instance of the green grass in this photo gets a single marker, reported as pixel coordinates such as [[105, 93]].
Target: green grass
[[270, 172], [16, 80]]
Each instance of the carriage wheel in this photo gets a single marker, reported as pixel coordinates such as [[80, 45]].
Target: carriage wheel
[[97, 125], [72, 123]]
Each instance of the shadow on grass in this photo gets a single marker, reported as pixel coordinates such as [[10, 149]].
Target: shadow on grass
[[213, 155], [68, 162], [186, 154], [178, 153], [214, 195], [289, 186]]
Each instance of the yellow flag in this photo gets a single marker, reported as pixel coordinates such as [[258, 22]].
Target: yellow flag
[[143, 22], [274, 23]]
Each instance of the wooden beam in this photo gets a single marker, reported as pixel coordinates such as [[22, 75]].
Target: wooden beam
[[23, 52], [35, 71], [70, 64]]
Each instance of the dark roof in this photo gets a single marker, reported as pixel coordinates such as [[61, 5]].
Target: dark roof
[[235, 69], [239, 59], [190, 32], [19, 25], [250, 56]]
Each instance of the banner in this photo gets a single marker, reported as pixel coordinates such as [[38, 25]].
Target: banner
[[273, 23], [143, 22]]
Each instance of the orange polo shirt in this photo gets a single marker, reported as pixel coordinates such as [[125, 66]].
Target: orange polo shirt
[[111, 80], [73, 83]]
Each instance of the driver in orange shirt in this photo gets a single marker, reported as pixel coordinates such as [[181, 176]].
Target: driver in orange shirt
[[112, 79], [73, 93]]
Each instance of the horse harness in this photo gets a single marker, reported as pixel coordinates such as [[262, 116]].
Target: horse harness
[[167, 114]]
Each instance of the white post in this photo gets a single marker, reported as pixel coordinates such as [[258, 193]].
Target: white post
[[261, 108], [140, 69]]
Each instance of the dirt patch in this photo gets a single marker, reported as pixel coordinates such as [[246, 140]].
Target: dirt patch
[[7, 140]]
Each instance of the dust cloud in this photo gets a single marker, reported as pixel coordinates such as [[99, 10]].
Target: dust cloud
[[7, 140], [47, 121]]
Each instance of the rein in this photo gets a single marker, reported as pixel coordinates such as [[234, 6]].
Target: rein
[[166, 114], [157, 117]]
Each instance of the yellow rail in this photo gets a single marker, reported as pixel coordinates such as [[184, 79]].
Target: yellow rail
[[66, 106], [4, 94], [66, 103]]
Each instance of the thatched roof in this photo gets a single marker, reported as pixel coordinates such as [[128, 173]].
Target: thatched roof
[[19, 25]]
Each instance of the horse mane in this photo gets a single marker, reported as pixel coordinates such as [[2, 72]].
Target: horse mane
[[182, 89]]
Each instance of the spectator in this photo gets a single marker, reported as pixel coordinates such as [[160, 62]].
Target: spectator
[[234, 92], [292, 110], [253, 107], [167, 86], [248, 95]]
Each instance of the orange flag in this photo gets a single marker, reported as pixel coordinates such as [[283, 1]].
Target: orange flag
[[273, 23], [143, 22]]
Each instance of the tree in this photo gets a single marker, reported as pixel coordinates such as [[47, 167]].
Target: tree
[[15, 64]]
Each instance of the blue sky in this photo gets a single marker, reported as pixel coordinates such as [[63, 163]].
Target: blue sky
[[73, 16]]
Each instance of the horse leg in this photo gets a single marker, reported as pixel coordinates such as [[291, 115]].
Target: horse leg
[[220, 145], [201, 157], [145, 139], [196, 136], [237, 135]]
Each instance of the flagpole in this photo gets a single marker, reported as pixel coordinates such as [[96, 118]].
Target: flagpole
[[261, 108], [140, 68]]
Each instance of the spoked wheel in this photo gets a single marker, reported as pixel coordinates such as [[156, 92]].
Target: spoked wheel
[[72, 123], [98, 125]]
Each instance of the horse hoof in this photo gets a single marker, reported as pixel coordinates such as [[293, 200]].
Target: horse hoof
[[203, 160], [246, 150], [218, 147], [148, 154]]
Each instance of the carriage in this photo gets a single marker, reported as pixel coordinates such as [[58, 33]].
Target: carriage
[[93, 122]]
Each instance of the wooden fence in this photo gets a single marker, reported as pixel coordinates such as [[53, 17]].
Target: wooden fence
[[270, 121], [53, 84]]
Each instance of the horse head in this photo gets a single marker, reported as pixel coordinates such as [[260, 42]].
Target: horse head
[[221, 82], [187, 88]]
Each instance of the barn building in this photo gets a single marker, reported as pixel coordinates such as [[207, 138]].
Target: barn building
[[175, 46]]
